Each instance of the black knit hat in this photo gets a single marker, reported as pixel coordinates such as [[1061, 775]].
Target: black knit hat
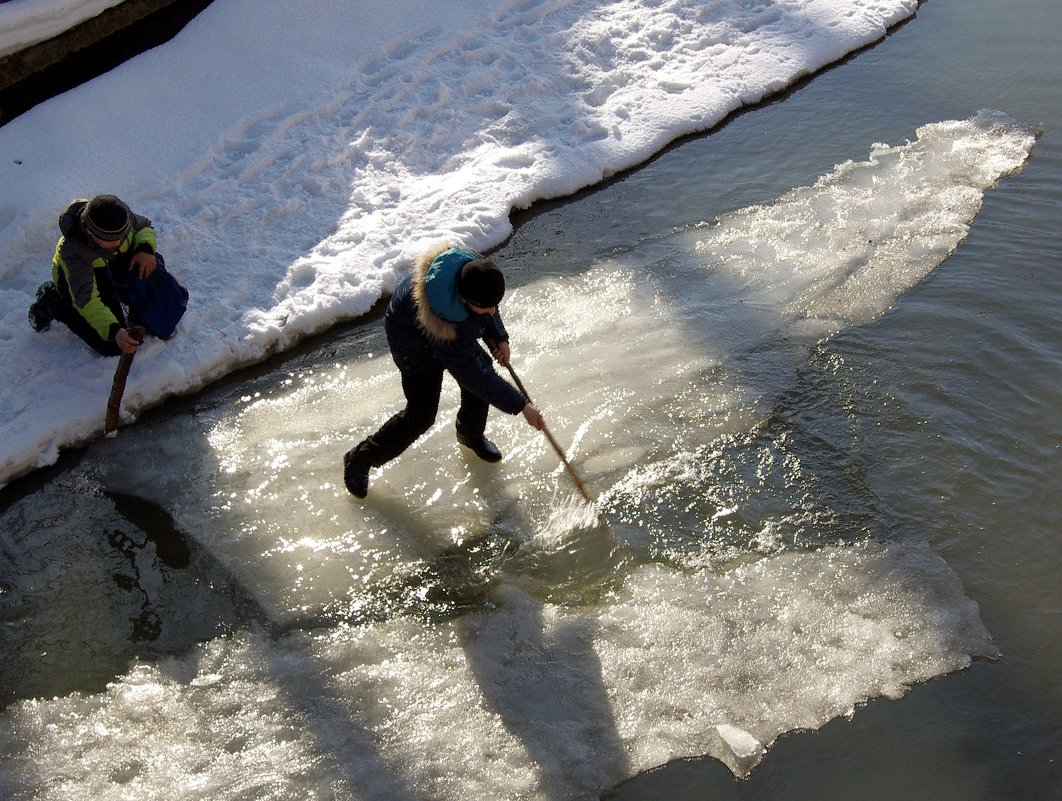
[[481, 283], [107, 218]]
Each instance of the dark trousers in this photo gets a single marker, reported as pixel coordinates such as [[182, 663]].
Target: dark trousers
[[422, 388]]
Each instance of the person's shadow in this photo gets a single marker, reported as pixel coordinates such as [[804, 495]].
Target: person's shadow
[[534, 663], [538, 671]]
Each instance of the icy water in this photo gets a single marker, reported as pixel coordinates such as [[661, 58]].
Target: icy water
[[808, 363]]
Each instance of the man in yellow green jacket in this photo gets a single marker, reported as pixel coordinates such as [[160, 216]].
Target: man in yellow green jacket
[[103, 245]]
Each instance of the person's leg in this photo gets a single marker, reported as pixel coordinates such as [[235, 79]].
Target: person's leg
[[472, 415], [422, 389], [63, 311], [471, 425], [44, 307]]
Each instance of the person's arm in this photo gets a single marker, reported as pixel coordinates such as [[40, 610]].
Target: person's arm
[[497, 339], [472, 369], [144, 244], [124, 340], [533, 416], [500, 352], [80, 279]]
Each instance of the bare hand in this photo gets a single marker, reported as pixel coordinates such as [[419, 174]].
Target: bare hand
[[144, 263], [534, 417], [500, 351], [124, 341]]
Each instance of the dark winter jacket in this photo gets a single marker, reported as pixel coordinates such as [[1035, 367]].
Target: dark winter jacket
[[427, 325], [78, 262]]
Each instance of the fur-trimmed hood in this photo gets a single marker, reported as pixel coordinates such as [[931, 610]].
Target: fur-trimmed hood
[[434, 290], [429, 328]]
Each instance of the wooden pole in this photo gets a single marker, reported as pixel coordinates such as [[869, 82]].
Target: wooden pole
[[114, 403], [552, 441]]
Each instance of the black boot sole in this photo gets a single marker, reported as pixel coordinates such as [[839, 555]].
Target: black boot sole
[[484, 448], [355, 476]]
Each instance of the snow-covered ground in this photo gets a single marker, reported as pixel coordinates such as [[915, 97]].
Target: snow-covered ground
[[295, 163]]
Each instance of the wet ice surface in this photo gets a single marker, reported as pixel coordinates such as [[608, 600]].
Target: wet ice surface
[[530, 700], [472, 630]]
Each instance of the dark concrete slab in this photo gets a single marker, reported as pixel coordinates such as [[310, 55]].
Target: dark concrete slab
[[97, 45]]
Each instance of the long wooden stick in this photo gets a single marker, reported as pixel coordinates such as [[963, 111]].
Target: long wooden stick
[[114, 403], [552, 441]]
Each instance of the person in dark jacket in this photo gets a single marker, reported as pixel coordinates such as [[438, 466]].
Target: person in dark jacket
[[434, 323], [103, 245]]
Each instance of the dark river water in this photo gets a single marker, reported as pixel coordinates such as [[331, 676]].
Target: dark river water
[[964, 445]]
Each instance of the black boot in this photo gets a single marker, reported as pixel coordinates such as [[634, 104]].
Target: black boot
[[481, 446], [43, 310], [355, 474]]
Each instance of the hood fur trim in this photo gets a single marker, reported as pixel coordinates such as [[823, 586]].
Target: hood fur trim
[[432, 324]]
